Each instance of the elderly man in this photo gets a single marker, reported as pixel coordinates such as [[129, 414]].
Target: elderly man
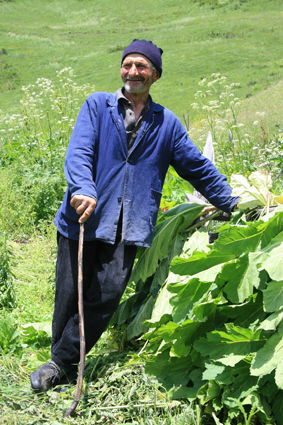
[[116, 162]]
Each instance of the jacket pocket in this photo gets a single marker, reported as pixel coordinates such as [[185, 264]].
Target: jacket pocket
[[154, 205]]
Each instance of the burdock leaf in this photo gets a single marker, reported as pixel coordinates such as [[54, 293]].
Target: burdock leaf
[[212, 371], [185, 335], [270, 356], [162, 307], [236, 341], [176, 221], [273, 296], [241, 277], [238, 240], [277, 408], [199, 262], [243, 386], [187, 295], [246, 313], [171, 371], [279, 375], [208, 391], [164, 332], [136, 327], [273, 264], [270, 257], [272, 321], [231, 360]]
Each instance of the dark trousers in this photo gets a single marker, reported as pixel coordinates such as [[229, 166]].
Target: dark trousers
[[106, 271]]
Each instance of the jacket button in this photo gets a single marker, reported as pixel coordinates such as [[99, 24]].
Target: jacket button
[[119, 199]]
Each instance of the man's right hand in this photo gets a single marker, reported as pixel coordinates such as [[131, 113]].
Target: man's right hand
[[84, 205]]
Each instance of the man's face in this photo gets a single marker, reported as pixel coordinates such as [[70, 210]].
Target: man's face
[[137, 74]]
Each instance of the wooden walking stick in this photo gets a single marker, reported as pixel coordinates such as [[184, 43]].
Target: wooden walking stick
[[81, 324]]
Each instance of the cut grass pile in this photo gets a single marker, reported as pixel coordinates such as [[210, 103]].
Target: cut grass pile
[[116, 388]]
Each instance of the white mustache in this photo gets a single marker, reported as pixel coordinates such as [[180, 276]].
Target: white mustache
[[134, 79]]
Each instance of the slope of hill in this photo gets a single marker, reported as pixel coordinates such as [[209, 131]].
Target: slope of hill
[[241, 39]]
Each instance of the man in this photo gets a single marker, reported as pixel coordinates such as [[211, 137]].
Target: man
[[116, 163]]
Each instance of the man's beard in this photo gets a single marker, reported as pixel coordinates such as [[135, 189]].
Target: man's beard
[[138, 89]]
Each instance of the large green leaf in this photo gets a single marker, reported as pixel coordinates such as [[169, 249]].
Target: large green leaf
[[136, 327], [187, 295], [208, 391], [269, 357], [271, 225], [198, 241], [278, 408], [274, 261], [237, 240], [164, 332], [224, 375], [231, 360], [150, 303], [176, 221], [124, 312], [272, 321], [279, 375], [241, 276], [236, 341], [246, 314], [209, 309], [172, 371], [190, 392], [271, 257], [213, 370], [273, 296], [243, 385], [162, 307], [184, 336], [198, 262]]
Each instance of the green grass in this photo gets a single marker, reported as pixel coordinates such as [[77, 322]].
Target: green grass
[[116, 388], [240, 39]]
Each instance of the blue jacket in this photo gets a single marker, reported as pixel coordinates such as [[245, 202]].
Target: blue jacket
[[98, 165]]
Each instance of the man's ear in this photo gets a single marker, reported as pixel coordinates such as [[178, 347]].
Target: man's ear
[[156, 76]]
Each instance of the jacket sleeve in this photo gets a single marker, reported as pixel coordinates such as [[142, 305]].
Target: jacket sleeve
[[191, 165], [80, 158]]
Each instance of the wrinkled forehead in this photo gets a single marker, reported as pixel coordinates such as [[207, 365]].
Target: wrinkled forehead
[[136, 58]]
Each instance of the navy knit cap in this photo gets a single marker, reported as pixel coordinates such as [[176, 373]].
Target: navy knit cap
[[146, 48]]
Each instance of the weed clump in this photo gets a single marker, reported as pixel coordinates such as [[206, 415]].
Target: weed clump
[[7, 294]]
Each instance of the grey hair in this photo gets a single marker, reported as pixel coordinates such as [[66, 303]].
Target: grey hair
[[152, 66]]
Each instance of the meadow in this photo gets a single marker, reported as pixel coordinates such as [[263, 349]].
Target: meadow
[[223, 73]]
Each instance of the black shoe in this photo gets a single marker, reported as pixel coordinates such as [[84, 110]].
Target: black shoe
[[46, 376]]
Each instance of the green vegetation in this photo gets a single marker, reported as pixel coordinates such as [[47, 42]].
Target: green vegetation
[[210, 315], [240, 39], [169, 359]]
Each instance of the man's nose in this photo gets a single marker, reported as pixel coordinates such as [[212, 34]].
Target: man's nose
[[133, 70]]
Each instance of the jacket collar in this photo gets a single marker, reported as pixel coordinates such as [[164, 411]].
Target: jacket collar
[[112, 100]]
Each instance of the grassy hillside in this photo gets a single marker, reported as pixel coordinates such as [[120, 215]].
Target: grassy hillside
[[241, 39]]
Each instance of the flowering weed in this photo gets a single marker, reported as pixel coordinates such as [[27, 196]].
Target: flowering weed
[[239, 149], [33, 145]]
